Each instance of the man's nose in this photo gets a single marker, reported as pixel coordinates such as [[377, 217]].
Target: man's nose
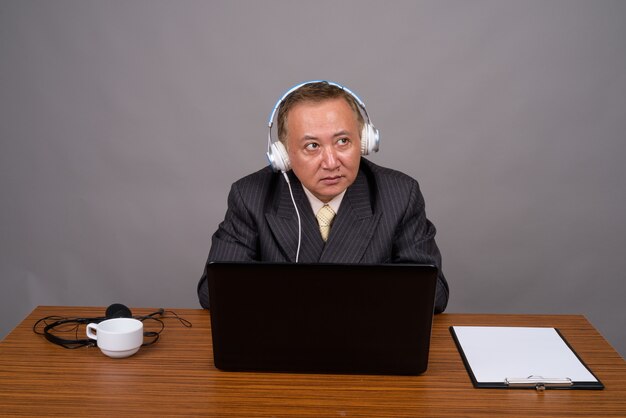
[[329, 158]]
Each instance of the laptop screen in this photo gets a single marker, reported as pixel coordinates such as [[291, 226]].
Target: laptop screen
[[321, 318]]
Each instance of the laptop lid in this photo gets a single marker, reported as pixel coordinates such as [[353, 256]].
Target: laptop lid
[[321, 318]]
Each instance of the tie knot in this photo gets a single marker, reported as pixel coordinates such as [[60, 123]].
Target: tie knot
[[325, 218]]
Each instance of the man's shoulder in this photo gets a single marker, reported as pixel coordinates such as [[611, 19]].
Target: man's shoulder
[[256, 188], [391, 189]]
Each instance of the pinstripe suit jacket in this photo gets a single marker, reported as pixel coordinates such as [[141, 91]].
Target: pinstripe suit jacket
[[381, 220]]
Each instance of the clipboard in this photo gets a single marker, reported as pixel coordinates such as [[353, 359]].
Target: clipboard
[[521, 357]]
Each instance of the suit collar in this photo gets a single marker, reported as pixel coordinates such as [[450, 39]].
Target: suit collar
[[351, 232], [354, 225]]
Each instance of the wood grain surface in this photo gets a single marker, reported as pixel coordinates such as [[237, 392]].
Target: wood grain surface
[[176, 377]]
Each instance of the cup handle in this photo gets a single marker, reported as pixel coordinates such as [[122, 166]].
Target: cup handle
[[92, 330]]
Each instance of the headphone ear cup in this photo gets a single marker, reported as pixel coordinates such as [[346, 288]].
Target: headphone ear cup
[[117, 310], [370, 139], [278, 157]]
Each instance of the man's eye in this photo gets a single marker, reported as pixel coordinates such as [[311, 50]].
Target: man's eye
[[343, 141], [311, 146]]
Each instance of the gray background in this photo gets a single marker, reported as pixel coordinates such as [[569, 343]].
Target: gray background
[[124, 123]]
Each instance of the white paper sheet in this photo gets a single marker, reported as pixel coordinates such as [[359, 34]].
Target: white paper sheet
[[497, 353]]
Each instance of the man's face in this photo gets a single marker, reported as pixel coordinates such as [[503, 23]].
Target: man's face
[[324, 146]]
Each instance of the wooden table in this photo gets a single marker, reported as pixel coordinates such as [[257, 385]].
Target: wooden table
[[176, 377]]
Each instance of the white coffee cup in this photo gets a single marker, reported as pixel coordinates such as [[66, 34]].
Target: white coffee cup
[[117, 337]]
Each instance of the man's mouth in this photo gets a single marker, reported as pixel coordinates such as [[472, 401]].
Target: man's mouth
[[329, 181]]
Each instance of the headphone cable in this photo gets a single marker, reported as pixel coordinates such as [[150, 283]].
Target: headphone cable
[[297, 214]]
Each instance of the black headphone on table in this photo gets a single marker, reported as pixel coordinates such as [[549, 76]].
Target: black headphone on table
[[53, 325]]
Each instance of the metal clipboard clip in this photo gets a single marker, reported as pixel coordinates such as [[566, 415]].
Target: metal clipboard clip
[[538, 382]]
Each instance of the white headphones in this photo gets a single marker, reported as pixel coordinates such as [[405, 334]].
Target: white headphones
[[276, 151]]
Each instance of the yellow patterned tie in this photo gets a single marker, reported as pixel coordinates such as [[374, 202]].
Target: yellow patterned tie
[[325, 218]]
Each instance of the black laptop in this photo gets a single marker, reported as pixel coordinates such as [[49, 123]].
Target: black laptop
[[321, 318]]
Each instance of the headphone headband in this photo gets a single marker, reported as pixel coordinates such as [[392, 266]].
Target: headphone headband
[[297, 86]]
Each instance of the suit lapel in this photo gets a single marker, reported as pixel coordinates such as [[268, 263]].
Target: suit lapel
[[284, 224], [350, 234], [353, 227]]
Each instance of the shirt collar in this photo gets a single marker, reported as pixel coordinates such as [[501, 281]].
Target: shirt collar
[[317, 204]]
